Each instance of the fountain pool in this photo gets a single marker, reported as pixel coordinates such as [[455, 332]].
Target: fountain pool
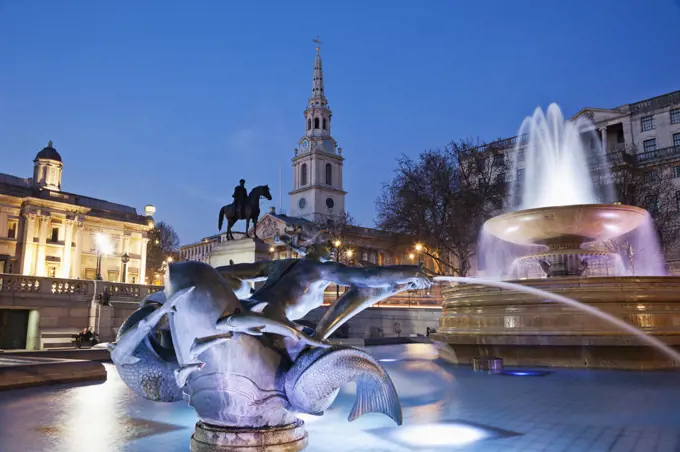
[[446, 408]]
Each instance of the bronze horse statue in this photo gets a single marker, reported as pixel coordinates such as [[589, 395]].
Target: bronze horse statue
[[252, 210]]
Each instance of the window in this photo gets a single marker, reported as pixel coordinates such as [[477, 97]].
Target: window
[[329, 174], [498, 159], [324, 123], [676, 139], [520, 173], [649, 145], [309, 124], [55, 235], [619, 137], [12, 230], [652, 204], [650, 176], [675, 116], [500, 179], [316, 123], [303, 174], [676, 171], [647, 123], [520, 156]]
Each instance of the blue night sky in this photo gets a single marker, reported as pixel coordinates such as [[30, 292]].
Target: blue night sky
[[170, 103]]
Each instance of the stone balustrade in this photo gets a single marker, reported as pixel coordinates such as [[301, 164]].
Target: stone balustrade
[[17, 284]]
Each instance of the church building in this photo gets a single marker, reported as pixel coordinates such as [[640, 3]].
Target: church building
[[317, 200]]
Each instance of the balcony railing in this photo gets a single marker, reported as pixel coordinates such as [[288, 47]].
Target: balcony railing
[[656, 102], [657, 155], [62, 287]]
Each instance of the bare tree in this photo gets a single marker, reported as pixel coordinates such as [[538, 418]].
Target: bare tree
[[653, 189], [163, 242], [443, 198]]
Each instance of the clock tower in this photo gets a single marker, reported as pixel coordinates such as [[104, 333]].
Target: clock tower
[[317, 193]]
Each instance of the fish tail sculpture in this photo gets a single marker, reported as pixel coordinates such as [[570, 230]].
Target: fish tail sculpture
[[146, 366], [149, 369], [314, 380]]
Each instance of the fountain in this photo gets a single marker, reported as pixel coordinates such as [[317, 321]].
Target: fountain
[[251, 373], [556, 242]]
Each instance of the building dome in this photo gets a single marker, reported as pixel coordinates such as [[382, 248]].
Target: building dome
[[48, 153]]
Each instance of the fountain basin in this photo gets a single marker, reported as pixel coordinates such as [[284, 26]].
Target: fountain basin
[[527, 331], [566, 225]]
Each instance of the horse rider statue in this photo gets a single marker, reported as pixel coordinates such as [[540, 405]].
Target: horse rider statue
[[240, 197]]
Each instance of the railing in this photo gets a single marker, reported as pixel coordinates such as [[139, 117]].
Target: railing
[[656, 102], [657, 154], [427, 298], [17, 284]]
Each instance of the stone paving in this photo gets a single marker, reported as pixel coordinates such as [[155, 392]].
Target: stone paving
[[446, 408]]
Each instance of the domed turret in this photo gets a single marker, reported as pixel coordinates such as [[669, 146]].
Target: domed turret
[[47, 168], [48, 153]]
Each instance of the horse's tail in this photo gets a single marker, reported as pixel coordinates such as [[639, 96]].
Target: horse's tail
[[220, 220]]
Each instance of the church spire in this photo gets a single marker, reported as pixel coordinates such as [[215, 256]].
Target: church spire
[[317, 82]]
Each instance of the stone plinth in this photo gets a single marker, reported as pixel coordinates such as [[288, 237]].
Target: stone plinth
[[527, 331], [210, 438], [242, 251]]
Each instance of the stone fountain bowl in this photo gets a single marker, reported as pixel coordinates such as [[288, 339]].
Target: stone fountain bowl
[[568, 225]]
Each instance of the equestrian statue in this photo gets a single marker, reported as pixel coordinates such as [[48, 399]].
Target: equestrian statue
[[246, 206]]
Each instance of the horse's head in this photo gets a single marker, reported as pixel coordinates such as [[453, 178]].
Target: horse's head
[[266, 193]]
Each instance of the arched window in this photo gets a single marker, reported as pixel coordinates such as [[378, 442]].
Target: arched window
[[316, 123], [309, 124], [324, 124], [303, 174], [329, 174]]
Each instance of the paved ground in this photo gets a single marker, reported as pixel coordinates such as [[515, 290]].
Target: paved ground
[[445, 408]]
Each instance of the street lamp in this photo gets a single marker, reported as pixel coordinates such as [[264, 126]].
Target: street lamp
[[125, 259], [103, 247], [419, 247]]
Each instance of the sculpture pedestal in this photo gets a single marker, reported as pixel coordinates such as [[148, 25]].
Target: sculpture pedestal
[[211, 438]]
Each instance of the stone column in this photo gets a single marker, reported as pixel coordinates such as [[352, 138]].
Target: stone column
[[603, 132], [142, 261], [28, 252], [40, 267], [77, 251], [65, 270]]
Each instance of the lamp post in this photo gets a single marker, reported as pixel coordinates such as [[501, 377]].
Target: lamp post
[[125, 259], [336, 247], [103, 247]]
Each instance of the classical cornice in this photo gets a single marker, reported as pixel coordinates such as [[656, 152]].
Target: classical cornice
[[318, 187]]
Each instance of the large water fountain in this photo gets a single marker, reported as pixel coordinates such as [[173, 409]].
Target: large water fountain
[[565, 237]]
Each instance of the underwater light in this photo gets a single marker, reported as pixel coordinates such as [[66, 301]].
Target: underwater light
[[439, 435], [526, 373], [388, 360]]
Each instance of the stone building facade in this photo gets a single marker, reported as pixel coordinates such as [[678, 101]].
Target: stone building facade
[[45, 231]]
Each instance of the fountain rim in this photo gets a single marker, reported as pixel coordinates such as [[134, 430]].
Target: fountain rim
[[569, 207]]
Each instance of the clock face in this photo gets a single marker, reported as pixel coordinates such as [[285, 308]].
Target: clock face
[[302, 203], [304, 145], [330, 203]]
